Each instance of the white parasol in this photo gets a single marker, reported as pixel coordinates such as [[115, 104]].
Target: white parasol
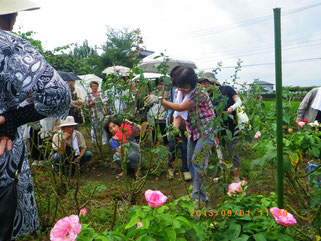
[[148, 63], [118, 70]]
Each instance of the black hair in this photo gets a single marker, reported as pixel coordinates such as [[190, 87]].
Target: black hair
[[184, 76], [106, 126], [173, 73]]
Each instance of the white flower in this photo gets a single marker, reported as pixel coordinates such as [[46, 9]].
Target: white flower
[[314, 124]]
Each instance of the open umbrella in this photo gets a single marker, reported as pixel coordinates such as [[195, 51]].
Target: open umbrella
[[83, 86], [148, 63], [68, 76], [117, 69]]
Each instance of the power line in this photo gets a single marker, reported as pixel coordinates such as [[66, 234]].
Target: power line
[[263, 64], [266, 47], [223, 28], [260, 52]]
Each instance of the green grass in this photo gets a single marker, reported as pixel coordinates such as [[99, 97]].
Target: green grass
[[294, 104]]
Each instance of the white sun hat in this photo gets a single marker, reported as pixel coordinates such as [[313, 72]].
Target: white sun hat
[[70, 121], [13, 6]]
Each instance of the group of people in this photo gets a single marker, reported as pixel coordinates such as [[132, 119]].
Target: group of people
[[32, 90]]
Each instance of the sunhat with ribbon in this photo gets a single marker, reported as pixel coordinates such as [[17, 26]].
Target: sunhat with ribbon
[[70, 121], [13, 6]]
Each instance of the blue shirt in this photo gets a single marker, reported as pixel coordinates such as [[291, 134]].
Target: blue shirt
[[114, 144]]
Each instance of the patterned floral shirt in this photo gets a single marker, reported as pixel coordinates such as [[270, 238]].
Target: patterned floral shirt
[[199, 118]]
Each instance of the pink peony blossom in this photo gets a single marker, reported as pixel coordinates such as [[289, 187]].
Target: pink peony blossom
[[257, 135], [66, 229], [237, 187], [83, 212], [301, 124], [139, 225], [155, 199], [282, 217]]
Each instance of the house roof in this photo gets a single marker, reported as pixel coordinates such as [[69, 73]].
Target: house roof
[[261, 82]]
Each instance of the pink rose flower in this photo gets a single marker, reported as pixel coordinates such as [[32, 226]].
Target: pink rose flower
[[66, 229], [257, 135], [282, 217], [139, 225], [305, 120], [237, 187], [83, 212], [155, 199], [301, 124]]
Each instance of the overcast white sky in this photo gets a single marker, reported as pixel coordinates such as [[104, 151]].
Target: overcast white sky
[[204, 31]]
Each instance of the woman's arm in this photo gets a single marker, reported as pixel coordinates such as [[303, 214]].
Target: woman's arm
[[237, 102], [186, 105]]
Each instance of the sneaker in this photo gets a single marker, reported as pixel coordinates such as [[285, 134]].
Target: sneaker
[[55, 168], [187, 176], [35, 163], [170, 173], [215, 180]]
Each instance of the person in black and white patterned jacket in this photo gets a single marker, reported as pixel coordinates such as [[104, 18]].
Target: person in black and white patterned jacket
[[24, 73]]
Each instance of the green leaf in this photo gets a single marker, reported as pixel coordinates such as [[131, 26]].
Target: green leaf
[[315, 151], [235, 230], [244, 237], [265, 202], [259, 237], [145, 238], [132, 222], [176, 224], [284, 237], [286, 119], [100, 238], [146, 223], [286, 163], [171, 234], [83, 238], [184, 221]]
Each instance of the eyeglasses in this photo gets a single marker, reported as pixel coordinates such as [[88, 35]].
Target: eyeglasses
[[183, 89]]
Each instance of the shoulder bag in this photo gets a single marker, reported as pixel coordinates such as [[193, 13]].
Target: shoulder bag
[[242, 117], [8, 203]]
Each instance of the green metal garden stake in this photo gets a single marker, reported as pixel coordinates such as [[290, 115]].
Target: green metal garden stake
[[278, 80]]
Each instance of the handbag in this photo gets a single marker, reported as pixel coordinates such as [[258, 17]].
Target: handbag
[[242, 117], [8, 204]]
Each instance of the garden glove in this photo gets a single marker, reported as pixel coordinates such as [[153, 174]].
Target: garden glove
[[150, 99]]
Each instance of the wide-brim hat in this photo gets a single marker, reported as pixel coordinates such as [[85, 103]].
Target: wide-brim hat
[[70, 121], [210, 77], [13, 6]]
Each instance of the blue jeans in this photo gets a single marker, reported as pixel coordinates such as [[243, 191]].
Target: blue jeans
[[57, 158], [198, 154], [173, 147]]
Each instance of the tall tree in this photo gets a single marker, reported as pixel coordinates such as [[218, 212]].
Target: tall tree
[[88, 55], [122, 47]]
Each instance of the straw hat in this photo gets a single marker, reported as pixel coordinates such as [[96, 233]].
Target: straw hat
[[13, 6], [70, 121]]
